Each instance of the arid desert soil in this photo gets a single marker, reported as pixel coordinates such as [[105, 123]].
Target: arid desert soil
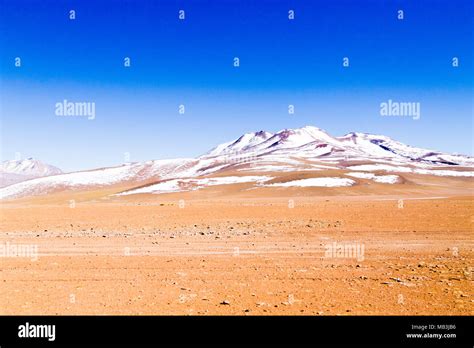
[[242, 256]]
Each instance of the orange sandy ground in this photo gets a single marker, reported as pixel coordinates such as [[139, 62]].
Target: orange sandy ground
[[243, 256]]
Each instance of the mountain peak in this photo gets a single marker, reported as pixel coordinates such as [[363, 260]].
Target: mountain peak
[[313, 129], [28, 166], [312, 142]]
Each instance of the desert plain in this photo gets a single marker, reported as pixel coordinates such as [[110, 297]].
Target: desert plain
[[377, 249]]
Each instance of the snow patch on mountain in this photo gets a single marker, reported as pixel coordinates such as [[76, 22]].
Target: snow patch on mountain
[[316, 182], [182, 185], [388, 168], [385, 179], [444, 172]]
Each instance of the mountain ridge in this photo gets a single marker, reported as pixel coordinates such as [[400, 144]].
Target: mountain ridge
[[302, 149], [14, 171]]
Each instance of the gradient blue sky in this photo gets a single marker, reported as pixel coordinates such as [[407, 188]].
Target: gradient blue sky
[[190, 62]]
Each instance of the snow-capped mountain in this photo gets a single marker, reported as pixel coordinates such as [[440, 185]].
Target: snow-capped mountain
[[313, 142], [289, 150], [130, 173], [243, 143], [15, 171]]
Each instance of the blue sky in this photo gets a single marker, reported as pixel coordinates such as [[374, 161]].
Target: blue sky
[[190, 62]]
